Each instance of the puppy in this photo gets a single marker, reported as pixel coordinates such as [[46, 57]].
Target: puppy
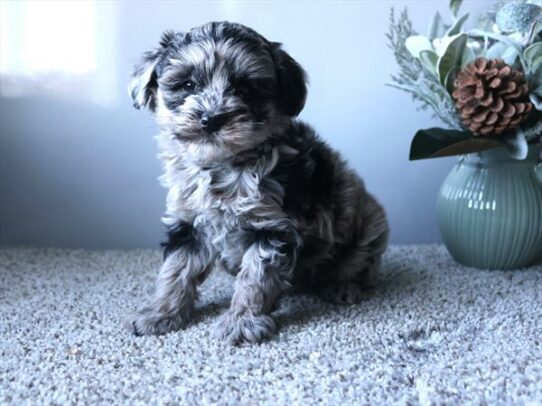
[[251, 190]]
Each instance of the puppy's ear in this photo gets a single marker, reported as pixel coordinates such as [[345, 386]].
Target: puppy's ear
[[291, 81], [144, 82]]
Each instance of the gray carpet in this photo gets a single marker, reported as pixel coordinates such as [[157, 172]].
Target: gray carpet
[[432, 332]]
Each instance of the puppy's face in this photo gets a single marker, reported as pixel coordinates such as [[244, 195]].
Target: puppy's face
[[219, 89]]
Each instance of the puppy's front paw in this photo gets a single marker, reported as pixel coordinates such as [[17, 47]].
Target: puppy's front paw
[[236, 329], [148, 321], [342, 293]]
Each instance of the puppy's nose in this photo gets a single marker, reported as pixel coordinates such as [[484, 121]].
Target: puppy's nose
[[212, 123]]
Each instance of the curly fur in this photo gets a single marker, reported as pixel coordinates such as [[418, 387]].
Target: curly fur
[[258, 194]]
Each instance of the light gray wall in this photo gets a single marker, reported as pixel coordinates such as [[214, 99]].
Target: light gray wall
[[78, 166]]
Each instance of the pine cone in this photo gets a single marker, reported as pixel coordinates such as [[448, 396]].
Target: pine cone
[[491, 97]]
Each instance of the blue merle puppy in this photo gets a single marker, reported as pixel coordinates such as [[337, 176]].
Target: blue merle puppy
[[252, 190]]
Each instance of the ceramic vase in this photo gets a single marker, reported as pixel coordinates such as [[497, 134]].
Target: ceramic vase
[[489, 210]]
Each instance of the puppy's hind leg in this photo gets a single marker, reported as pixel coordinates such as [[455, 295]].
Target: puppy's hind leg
[[356, 266], [187, 264]]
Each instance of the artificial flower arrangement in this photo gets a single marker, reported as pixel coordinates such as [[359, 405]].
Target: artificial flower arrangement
[[484, 84]]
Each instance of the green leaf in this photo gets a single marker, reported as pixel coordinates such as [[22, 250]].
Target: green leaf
[[510, 55], [536, 34], [496, 50], [438, 142], [429, 59], [454, 6], [535, 82], [536, 77], [436, 26], [468, 57], [417, 44], [503, 38], [451, 57], [499, 37], [516, 144], [536, 100], [517, 16], [456, 28], [501, 50], [533, 56]]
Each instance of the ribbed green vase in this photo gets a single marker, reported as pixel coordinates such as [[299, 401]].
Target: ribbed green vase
[[489, 210]]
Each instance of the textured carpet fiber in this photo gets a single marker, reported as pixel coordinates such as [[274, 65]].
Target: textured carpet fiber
[[431, 332]]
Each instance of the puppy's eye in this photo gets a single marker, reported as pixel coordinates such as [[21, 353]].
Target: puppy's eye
[[244, 89], [188, 86]]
